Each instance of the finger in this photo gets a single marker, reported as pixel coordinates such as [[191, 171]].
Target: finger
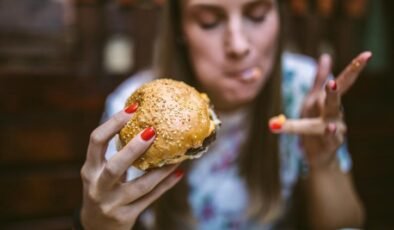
[[323, 70], [348, 76], [305, 126], [332, 138], [158, 191], [332, 102], [139, 187], [312, 106], [100, 137], [117, 165]]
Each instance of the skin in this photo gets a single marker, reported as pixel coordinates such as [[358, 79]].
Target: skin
[[225, 41], [332, 200], [108, 201]]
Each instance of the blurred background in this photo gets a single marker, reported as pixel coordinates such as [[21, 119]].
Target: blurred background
[[59, 59]]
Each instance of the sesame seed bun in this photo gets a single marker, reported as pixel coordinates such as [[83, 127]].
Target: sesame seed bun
[[181, 116]]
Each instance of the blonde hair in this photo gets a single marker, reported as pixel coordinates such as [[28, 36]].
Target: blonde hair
[[259, 159]]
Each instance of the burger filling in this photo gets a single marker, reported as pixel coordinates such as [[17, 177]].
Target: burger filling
[[203, 147], [196, 152]]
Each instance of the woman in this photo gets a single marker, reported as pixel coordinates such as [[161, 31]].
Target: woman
[[232, 50]]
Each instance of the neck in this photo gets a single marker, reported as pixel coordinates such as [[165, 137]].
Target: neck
[[231, 110]]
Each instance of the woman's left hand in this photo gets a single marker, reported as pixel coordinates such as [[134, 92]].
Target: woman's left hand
[[322, 126]]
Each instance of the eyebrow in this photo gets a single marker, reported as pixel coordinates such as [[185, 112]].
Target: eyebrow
[[216, 7]]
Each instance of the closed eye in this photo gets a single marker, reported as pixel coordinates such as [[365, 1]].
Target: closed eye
[[207, 16], [257, 11]]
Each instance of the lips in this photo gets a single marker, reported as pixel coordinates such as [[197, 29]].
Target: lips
[[245, 75]]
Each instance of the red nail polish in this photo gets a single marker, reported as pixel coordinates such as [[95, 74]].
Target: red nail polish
[[148, 134], [179, 173], [333, 85], [131, 108], [275, 126]]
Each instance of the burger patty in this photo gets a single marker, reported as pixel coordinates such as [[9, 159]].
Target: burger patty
[[194, 151]]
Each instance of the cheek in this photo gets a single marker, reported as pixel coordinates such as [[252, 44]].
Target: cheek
[[205, 48], [266, 40], [266, 36]]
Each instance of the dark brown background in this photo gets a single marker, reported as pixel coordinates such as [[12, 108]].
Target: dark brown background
[[53, 86]]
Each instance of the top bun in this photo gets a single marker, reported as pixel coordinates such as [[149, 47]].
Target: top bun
[[181, 117]]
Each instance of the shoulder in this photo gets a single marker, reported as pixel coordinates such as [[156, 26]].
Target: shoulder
[[298, 74], [298, 61], [115, 101], [298, 68], [132, 83]]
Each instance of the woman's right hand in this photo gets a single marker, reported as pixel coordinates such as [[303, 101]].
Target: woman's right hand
[[108, 201]]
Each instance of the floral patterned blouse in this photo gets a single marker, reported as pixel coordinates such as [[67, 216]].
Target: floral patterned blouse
[[218, 196]]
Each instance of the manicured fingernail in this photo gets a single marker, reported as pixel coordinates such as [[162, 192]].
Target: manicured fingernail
[[369, 58], [277, 122], [179, 173], [325, 58], [331, 128], [275, 126], [148, 133], [332, 84], [131, 108]]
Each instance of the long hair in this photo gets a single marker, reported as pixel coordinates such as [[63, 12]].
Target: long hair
[[259, 159]]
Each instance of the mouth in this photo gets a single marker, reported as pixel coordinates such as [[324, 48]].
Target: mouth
[[245, 75]]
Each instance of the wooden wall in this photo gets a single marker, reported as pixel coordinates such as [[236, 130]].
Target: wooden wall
[[47, 112]]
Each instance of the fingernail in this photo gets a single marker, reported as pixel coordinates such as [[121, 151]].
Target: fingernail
[[131, 108], [148, 134], [331, 128], [369, 58], [277, 122], [275, 126], [333, 85], [179, 173], [325, 58]]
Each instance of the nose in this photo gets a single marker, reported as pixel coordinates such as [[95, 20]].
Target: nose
[[237, 45]]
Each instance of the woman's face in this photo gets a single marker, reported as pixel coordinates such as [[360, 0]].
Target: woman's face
[[232, 45]]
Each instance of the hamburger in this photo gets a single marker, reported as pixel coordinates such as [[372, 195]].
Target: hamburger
[[183, 119]]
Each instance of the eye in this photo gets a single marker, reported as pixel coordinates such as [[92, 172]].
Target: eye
[[209, 25], [257, 19], [257, 12], [208, 19]]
